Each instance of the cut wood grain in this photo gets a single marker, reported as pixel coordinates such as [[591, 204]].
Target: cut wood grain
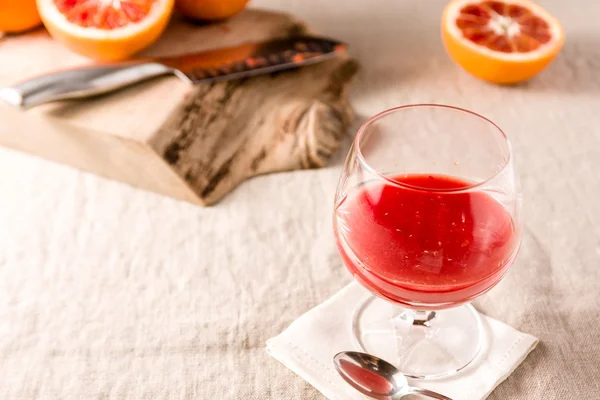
[[194, 143]]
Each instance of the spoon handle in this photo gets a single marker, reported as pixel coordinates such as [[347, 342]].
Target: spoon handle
[[428, 393]]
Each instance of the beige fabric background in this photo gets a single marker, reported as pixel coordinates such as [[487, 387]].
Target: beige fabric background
[[108, 292]]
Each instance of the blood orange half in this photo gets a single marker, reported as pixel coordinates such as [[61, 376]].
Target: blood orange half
[[501, 41], [106, 29]]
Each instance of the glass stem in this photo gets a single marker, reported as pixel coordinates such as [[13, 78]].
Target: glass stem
[[423, 317], [416, 317]]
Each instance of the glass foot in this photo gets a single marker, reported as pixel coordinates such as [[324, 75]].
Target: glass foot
[[422, 344]]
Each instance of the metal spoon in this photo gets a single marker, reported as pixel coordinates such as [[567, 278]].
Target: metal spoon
[[376, 378]]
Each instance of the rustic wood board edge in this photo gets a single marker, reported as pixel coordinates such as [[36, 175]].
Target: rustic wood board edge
[[293, 120]]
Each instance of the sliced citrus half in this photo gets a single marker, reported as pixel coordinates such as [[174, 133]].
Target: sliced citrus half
[[501, 41], [106, 30]]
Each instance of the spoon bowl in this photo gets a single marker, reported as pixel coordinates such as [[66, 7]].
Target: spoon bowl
[[376, 378]]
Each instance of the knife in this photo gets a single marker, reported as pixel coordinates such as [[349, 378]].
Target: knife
[[245, 60]]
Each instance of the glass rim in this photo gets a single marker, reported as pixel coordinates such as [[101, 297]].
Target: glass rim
[[470, 187]]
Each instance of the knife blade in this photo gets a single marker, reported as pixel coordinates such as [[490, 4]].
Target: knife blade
[[252, 59], [242, 61]]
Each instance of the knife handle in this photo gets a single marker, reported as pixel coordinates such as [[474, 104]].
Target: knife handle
[[80, 82]]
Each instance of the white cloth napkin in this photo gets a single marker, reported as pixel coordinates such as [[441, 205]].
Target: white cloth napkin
[[307, 347]]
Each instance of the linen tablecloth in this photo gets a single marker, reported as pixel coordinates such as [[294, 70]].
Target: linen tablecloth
[[110, 292]]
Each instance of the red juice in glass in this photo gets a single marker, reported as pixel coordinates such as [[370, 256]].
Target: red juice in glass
[[420, 241]]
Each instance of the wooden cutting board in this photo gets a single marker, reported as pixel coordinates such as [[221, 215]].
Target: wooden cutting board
[[194, 143]]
